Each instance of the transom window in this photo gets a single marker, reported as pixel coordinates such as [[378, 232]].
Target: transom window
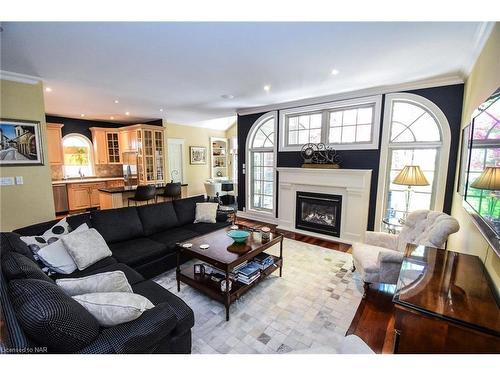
[[349, 124], [416, 132], [77, 150], [260, 164]]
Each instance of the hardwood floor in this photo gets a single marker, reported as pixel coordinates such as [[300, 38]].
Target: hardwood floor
[[374, 319]]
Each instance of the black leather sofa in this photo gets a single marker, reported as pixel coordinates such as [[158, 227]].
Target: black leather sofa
[[142, 241]]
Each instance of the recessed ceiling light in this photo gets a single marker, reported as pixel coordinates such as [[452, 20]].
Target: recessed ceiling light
[[117, 101], [161, 109], [48, 89], [335, 72], [267, 88], [127, 113], [112, 118], [82, 115], [227, 96]]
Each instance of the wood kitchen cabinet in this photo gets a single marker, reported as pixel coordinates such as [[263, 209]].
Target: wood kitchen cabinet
[[106, 144], [84, 195], [54, 144]]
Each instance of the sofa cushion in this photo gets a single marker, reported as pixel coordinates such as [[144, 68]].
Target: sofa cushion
[[50, 317], [75, 221], [132, 275], [186, 209], [204, 228], [170, 237], [119, 224], [17, 266], [36, 229], [157, 217], [10, 241], [157, 294], [137, 251]]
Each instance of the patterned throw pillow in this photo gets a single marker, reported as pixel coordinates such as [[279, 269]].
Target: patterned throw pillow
[[35, 243]]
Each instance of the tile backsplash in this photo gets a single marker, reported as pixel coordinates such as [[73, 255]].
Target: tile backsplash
[[100, 170]]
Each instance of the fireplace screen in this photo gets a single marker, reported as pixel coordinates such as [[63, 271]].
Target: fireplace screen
[[318, 213]]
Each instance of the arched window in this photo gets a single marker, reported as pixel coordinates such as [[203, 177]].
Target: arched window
[[78, 157], [416, 132], [260, 168]]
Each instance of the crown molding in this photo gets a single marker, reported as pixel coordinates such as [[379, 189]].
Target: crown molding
[[415, 85], [18, 77], [481, 36]]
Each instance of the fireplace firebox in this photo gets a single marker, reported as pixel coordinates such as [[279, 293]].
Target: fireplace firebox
[[318, 213]]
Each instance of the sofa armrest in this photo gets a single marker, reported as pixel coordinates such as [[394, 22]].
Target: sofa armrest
[[141, 335], [381, 239]]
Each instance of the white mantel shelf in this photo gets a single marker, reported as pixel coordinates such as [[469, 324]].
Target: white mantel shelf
[[352, 184]]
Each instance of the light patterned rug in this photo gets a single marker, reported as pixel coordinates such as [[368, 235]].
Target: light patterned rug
[[310, 307]]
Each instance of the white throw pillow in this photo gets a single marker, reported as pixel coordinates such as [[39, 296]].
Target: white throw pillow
[[35, 243], [56, 257], [206, 212], [114, 308], [86, 248], [113, 281]]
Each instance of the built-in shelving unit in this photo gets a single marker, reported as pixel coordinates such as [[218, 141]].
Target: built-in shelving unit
[[219, 157]]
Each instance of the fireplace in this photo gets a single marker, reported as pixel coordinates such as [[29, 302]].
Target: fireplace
[[318, 213]]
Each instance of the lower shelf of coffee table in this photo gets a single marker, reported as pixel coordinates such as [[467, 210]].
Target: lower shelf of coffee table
[[212, 288]]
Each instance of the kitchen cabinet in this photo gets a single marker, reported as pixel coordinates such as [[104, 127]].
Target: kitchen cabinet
[[149, 143], [54, 144], [84, 195], [106, 144]]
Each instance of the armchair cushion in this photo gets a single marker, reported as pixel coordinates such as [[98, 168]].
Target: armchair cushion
[[376, 264], [381, 239]]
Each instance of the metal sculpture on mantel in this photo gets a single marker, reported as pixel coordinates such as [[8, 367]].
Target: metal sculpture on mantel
[[318, 155]]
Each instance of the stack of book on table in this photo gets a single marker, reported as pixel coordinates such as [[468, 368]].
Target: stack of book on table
[[249, 273], [264, 260]]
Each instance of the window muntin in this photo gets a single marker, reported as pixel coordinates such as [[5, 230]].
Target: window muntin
[[352, 125], [345, 125], [77, 152], [260, 165], [415, 139]]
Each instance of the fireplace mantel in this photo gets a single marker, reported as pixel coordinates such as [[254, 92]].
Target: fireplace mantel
[[352, 184]]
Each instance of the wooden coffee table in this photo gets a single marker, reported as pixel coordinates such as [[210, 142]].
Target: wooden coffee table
[[225, 255]]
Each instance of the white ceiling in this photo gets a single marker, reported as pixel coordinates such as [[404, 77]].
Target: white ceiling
[[184, 68]]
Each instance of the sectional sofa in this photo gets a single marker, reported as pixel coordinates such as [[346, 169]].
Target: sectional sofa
[[142, 241]]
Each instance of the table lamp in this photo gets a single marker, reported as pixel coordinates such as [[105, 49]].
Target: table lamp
[[410, 175], [489, 180]]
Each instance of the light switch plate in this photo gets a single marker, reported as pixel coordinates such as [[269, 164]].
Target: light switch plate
[[6, 181], [19, 180]]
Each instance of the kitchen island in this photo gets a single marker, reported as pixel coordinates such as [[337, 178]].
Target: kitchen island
[[117, 197]]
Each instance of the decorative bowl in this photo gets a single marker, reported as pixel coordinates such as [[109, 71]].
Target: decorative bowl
[[238, 235]]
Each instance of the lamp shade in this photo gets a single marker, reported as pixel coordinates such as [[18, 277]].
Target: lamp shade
[[489, 179], [411, 175]]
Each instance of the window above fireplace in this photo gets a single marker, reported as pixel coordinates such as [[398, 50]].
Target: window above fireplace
[[345, 125]]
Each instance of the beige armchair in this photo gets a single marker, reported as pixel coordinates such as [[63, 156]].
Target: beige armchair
[[379, 258]]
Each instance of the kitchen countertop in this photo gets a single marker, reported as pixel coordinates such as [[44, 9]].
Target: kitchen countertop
[[85, 179], [125, 189]]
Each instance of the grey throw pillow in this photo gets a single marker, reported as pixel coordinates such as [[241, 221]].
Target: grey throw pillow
[[86, 247]]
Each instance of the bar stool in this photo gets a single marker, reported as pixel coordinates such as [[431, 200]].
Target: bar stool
[[143, 193], [172, 191]]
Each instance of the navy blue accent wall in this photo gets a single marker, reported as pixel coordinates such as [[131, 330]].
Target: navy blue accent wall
[[447, 98], [81, 126]]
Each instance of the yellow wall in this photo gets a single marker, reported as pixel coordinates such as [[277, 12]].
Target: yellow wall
[[194, 136], [482, 82], [31, 202]]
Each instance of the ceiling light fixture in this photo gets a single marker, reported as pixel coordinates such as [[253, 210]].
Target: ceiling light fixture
[[82, 115], [111, 118], [127, 113], [227, 96], [267, 88], [117, 101], [161, 109], [48, 89], [335, 72]]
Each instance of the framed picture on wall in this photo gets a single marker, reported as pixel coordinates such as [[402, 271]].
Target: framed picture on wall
[[20, 143], [198, 155]]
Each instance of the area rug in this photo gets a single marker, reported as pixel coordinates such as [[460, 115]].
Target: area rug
[[310, 306]]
